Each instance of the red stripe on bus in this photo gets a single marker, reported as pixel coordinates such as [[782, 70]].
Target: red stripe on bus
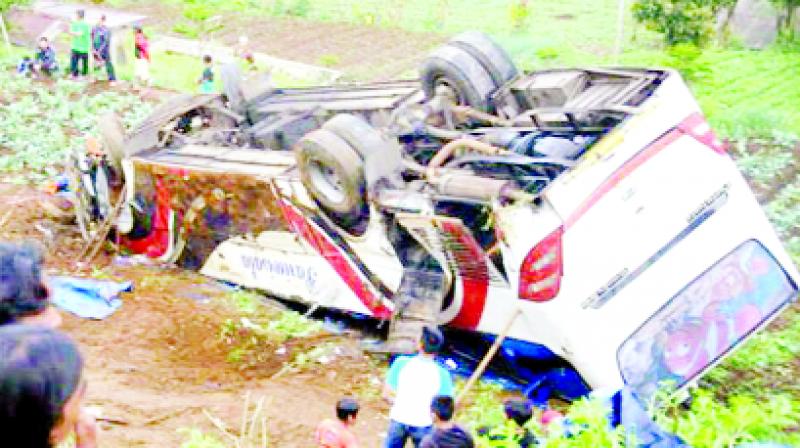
[[325, 247], [474, 275]]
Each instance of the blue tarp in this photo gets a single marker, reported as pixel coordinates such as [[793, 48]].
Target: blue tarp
[[88, 298]]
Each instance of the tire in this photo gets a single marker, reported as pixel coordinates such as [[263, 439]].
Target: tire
[[458, 69], [333, 174], [382, 158], [359, 134], [231, 77], [492, 57]]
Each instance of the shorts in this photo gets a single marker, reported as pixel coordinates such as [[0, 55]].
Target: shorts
[[207, 87]]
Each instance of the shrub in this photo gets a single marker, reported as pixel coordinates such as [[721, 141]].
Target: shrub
[[6, 4], [711, 423], [680, 21]]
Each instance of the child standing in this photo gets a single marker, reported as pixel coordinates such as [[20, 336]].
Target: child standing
[[337, 433], [142, 56], [206, 80]]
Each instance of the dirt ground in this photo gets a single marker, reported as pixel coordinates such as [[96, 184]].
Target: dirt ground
[[363, 53], [157, 364]]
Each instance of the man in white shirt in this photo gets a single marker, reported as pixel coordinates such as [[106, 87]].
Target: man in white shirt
[[411, 384]]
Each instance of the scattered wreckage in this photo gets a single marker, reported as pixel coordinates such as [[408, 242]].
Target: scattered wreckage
[[590, 214]]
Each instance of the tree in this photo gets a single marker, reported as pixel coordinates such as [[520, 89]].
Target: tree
[[680, 21], [789, 8], [729, 6], [6, 4]]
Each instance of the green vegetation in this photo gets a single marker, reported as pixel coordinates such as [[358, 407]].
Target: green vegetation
[[789, 8], [5, 4], [679, 21], [63, 109], [706, 423], [741, 419], [253, 337], [739, 90]]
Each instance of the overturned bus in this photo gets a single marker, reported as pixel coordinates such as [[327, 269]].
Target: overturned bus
[[593, 212]]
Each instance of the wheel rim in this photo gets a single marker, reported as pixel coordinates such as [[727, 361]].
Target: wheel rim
[[444, 82], [327, 181]]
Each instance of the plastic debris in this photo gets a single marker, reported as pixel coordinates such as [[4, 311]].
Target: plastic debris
[[88, 298]]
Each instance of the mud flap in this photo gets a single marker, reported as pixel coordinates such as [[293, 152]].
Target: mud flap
[[425, 282]]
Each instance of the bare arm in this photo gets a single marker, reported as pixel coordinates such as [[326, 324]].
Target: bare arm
[[388, 393]]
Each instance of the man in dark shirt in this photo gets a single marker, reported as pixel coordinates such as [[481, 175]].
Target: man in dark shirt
[[446, 434], [101, 47]]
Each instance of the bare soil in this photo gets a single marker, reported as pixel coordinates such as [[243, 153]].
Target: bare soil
[[362, 52], [158, 363]]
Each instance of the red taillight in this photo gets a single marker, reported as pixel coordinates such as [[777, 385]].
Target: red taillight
[[697, 126], [540, 273]]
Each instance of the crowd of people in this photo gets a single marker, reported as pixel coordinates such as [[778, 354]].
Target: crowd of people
[[42, 386], [91, 52], [420, 391]]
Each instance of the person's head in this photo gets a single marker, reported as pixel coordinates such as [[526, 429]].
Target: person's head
[[138, 29], [41, 386], [443, 407], [44, 42], [207, 60], [80, 14], [518, 410], [102, 20], [347, 410], [431, 341], [24, 295]]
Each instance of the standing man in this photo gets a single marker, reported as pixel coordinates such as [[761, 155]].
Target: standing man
[[81, 44], [101, 48], [411, 384]]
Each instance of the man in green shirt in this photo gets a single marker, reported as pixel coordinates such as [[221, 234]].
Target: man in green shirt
[[81, 44]]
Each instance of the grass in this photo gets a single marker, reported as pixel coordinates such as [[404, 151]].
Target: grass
[[747, 92]]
